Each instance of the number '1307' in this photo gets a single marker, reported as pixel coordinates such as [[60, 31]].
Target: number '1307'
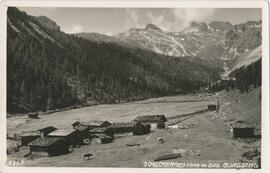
[[15, 162]]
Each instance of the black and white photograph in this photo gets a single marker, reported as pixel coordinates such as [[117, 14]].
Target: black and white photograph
[[130, 87]]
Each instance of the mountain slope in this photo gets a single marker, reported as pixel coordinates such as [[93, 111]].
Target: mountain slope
[[197, 40], [242, 39], [48, 69], [245, 60], [243, 56], [218, 41], [243, 47]]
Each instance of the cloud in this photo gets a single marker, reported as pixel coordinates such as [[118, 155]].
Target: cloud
[[183, 17], [132, 18], [155, 20], [75, 29]]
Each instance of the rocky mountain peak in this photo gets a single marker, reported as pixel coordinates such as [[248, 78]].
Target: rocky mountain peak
[[152, 27], [48, 23], [198, 24], [196, 27], [221, 26]]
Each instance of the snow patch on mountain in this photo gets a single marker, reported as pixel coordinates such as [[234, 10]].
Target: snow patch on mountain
[[189, 42], [245, 60], [180, 45], [249, 58]]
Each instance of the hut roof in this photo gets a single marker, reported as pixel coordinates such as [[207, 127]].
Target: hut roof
[[32, 133], [103, 136], [78, 122], [242, 124], [61, 132], [47, 128], [98, 130], [81, 128], [95, 123], [44, 141], [122, 124], [144, 124], [151, 118], [33, 114]]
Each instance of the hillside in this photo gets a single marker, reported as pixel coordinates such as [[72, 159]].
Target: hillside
[[48, 69]]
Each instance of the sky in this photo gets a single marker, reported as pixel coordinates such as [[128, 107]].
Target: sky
[[111, 21]]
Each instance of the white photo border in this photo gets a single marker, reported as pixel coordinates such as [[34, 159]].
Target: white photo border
[[263, 4]]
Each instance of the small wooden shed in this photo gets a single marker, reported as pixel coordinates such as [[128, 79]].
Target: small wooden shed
[[82, 135], [96, 123], [212, 107], [101, 130], [46, 130], [77, 124], [27, 137], [122, 129], [243, 130], [33, 115], [141, 128], [101, 139], [155, 121], [49, 147], [91, 124], [68, 135]]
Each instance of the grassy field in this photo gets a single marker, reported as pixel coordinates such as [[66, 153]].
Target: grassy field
[[207, 140]]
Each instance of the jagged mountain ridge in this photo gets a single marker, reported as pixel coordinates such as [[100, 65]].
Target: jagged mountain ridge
[[242, 38], [48, 69], [243, 46], [189, 42], [217, 41]]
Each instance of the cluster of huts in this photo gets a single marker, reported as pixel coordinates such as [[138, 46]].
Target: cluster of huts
[[50, 141]]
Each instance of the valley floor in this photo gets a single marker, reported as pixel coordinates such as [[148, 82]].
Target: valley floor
[[206, 141]]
